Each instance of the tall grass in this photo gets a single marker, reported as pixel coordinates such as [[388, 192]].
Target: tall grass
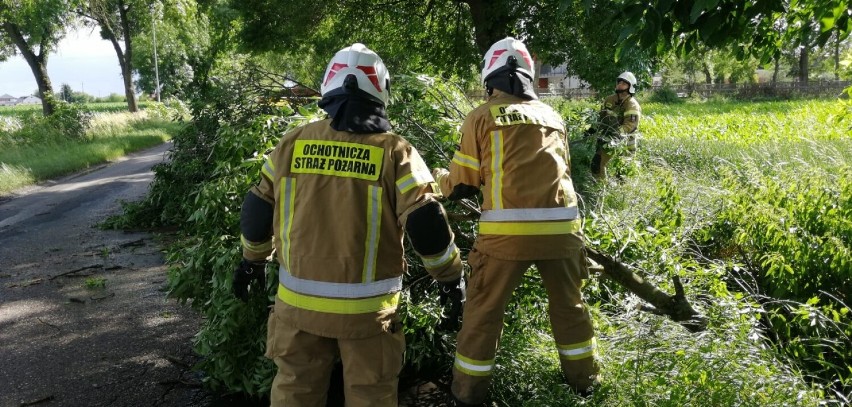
[[752, 186], [103, 107], [24, 161]]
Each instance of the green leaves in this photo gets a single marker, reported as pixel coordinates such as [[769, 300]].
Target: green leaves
[[718, 23]]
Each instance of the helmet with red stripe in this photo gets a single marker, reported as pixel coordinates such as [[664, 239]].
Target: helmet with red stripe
[[370, 73], [507, 54]]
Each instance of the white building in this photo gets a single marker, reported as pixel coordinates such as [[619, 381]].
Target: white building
[[8, 100], [29, 100], [556, 78]]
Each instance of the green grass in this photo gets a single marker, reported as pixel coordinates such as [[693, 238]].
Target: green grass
[[112, 135], [95, 282]]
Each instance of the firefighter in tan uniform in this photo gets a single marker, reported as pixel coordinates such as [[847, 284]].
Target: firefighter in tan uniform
[[618, 121], [333, 201], [513, 150]]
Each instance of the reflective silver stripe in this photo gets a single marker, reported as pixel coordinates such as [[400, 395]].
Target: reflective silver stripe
[[374, 219], [578, 351], [475, 368], [529, 214], [338, 290], [286, 216], [442, 258], [466, 161], [575, 352], [413, 179], [268, 169], [497, 169]]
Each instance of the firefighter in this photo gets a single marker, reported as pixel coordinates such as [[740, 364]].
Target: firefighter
[[618, 121], [513, 150], [340, 275]]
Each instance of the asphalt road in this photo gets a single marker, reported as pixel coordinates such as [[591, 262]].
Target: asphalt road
[[84, 318]]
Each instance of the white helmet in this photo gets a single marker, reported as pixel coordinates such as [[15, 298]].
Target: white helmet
[[510, 53], [628, 77], [365, 65]]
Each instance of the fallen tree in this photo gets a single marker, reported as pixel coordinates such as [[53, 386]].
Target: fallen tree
[[677, 306]]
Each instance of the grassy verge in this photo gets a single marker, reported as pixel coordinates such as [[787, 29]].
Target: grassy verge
[[112, 135]]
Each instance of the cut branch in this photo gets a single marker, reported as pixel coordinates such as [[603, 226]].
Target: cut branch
[[676, 307]]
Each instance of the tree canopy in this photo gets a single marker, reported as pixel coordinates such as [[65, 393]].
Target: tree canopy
[[33, 28], [757, 27]]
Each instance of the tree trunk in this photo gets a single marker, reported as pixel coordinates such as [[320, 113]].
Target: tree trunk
[[127, 60], [126, 74], [103, 17], [708, 76], [837, 56], [775, 71], [803, 65], [38, 65], [491, 22]]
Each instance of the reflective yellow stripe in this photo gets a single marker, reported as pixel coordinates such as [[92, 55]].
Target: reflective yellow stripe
[[374, 222], [287, 203], [529, 228], [268, 169], [466, 161], [441, 259], [630, 112], [412, 180], [578, 351], [497, 169], [473, 367], [256, 247], [338, 305]]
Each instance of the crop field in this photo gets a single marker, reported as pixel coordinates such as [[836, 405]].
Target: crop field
[[105, 107]]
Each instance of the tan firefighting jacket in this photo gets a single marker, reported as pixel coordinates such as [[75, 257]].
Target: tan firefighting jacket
[[626, 112], [341, 201], [514, 151]]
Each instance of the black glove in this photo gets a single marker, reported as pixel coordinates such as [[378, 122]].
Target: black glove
[[590, 132], [452, 294], [245, 273]]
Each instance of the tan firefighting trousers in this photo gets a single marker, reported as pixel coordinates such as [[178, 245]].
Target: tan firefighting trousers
[[489, 289], [305, 361]]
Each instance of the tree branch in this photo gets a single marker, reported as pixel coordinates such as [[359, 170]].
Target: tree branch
[[676, 307]]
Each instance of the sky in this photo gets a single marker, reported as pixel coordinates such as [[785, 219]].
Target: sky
[[82, 60]]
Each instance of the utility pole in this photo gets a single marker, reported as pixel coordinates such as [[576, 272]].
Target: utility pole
[[156, 65]]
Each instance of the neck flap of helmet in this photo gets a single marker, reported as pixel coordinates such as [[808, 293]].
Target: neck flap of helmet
[[353, 110], [509, 80]]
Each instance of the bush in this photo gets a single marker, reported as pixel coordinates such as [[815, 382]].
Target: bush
[[665, 94], [70, 120]]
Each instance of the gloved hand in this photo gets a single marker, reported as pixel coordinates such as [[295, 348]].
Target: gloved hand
[[437, 174], [454, 295], [590, 132], [245, 273]]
